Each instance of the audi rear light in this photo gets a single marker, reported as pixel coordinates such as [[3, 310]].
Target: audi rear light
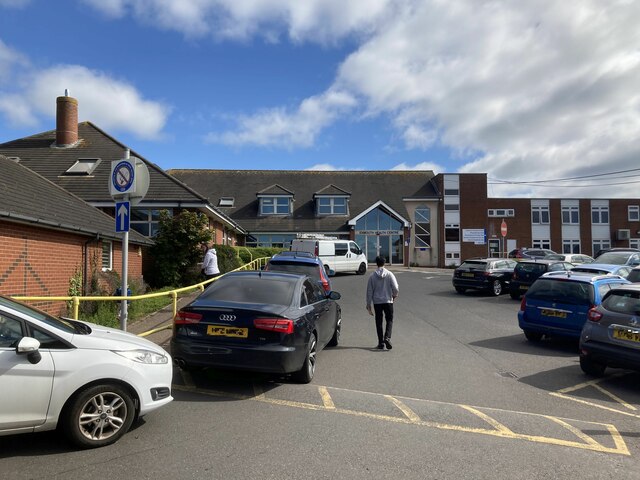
[[185, 318], [594, 315], [280, 325]]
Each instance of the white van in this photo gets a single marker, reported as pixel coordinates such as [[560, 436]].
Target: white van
[[337, 255]]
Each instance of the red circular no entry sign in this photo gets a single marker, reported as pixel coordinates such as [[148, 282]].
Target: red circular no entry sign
[[503, 228]]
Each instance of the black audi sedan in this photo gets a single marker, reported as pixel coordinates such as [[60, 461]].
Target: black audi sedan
[[260, 321], [490, 274]]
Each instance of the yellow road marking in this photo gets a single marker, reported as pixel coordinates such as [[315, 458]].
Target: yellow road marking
[[491, 421], [327, 401], [499, 430], [596, 384], [410, 414]]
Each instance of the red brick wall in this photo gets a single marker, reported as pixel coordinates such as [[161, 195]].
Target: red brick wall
[[40, 262]]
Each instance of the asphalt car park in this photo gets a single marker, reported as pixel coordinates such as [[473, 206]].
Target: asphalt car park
[[462, 393]]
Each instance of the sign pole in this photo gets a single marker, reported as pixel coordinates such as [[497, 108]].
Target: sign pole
[[125, 269]]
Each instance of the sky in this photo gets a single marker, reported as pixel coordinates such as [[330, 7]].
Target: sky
[[541, 95]]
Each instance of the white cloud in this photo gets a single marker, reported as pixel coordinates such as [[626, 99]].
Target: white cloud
[[315, 20], [111, 103], [282, 128], [324, 167], [422, 166]]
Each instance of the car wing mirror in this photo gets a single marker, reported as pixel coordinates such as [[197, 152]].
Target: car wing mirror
[[31, 348], [334, 295], [332, 272]]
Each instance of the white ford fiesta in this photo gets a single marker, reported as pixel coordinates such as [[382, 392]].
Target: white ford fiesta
[[89, 381]]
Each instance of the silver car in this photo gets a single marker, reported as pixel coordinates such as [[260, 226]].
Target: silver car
[[611, 335]]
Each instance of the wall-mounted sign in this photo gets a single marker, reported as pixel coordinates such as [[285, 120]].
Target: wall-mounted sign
[[378, 232], [474, 235]]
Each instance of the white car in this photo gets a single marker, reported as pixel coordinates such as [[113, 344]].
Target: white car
[[89, 381]]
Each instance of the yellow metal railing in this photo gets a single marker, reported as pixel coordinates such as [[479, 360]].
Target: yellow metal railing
[[256, 264]]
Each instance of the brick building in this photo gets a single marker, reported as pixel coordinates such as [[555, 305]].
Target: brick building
[[48, 236]]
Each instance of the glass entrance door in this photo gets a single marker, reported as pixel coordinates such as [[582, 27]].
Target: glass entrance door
[[389, 246]]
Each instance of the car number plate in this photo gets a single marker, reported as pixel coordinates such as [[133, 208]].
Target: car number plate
[[553, 313], [626, 334], [468, 274], [524, 287], [222, 331]]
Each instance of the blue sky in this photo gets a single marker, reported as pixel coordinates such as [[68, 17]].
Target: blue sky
[[528, 91]]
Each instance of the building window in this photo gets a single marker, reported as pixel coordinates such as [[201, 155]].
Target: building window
[[570, 246], [422, 222], [107, 255], [570, 216], [226, 202], [271, 240], [275, 206], [600, 245], [634, 243], [451, 206], [332, 206], [451, 191], [145, 221], [542, 244], [633, 213], [502, 212], [83, 166], [600, 215], [540, 215], [452, 255], [452, 233]]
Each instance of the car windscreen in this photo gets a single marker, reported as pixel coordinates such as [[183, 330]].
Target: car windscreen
[[554, 256], [561, 291], [251, 289], [471, 265], [615, 258], [311, 270], [634, 276], [622, 301], [59, 323], [537, 268]]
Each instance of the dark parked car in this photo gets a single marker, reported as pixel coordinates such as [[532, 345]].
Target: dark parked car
[[527, 272], [302, 263], [260, 321], [530, 253], [557, 304], [611, 336], [490, 274]]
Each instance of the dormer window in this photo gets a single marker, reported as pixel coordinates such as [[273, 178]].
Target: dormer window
[[331, 200], [83, 166], [275, 206], [275, 200], [332, 205]]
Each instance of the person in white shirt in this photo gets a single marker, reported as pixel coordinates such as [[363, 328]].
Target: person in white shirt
[[210, 263], [382, 290]]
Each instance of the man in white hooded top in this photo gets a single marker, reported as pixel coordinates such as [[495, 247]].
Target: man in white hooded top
[[382, 289], [210, 263]]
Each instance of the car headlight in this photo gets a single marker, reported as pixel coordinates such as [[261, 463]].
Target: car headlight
[[143, 356]]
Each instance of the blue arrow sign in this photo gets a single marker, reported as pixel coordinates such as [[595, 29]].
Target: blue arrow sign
[[123, 209]]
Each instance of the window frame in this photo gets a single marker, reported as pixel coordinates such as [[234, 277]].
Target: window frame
[[422, 227], [572, 216], [541, 212], [277, 202], [331, 206], [636, 213], [109, 263], [599, 212]]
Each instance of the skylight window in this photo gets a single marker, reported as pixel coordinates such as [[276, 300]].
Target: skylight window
[[226, 202], [83, 166]]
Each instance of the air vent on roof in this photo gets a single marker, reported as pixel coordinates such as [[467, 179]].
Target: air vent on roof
[[226, 202], [83, 166], [14, 159]]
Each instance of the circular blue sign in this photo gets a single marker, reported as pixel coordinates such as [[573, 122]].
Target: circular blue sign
[[122, 177]]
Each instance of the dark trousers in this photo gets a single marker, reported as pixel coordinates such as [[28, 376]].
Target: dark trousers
[[387, 309]]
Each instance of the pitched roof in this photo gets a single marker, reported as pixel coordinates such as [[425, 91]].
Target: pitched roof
[[331, 190], [30, 198], [366, 187], [39, 154], [275, 190]]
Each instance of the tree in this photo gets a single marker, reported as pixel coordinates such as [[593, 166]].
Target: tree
[[178, 247]]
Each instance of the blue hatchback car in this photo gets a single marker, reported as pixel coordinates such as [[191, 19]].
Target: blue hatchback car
[[557, 303]]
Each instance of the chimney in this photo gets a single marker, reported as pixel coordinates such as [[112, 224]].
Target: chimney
[[66, 120]]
